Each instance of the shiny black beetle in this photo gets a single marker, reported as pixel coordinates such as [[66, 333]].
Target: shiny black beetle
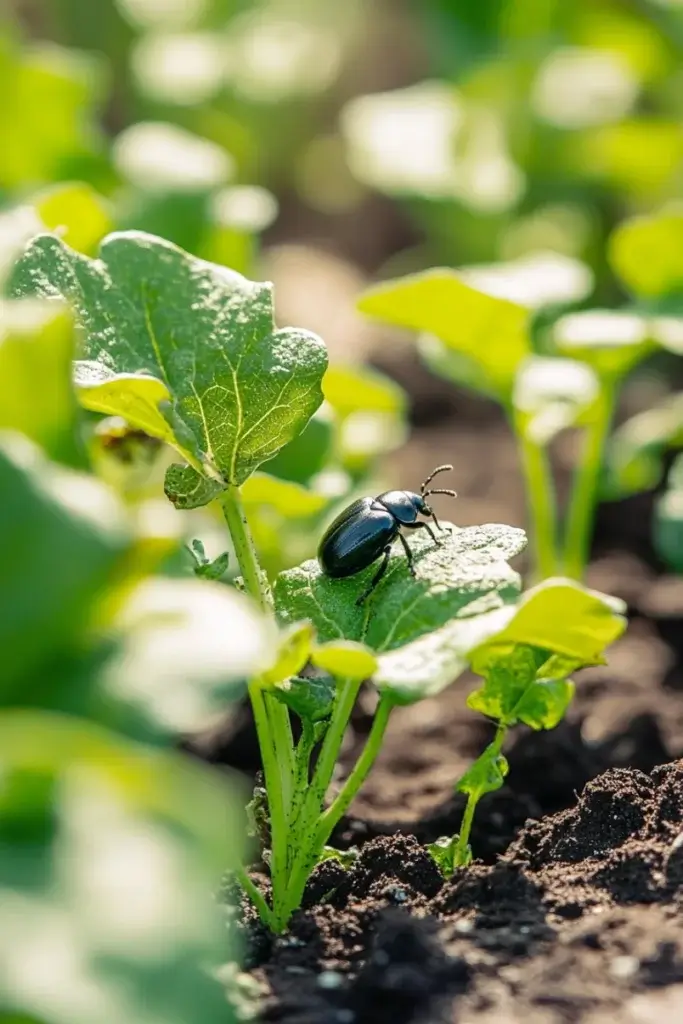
[[368, 528]]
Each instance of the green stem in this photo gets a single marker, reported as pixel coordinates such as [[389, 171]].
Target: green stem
[[462, 854], [579, 526], [276, 804], [255, 895], [233, 510], [540, 494], [309, 852]]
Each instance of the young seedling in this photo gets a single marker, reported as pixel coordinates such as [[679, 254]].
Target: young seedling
[[196, 362]]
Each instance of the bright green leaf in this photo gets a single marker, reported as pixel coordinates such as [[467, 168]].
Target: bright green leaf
[[308, 453], [545, 702], [442, 852], [492, 334], [293, 653], [559, 616], [507, 679], [76, 213], [486, 775], [464, 575], [647, 253], [351, 389], [36, 394], [344, 659], [238, 389], [287, 498]]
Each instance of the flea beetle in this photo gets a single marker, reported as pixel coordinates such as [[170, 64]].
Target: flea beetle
[[367, 529]]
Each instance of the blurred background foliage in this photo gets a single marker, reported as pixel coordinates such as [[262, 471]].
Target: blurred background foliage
[[538, 143]]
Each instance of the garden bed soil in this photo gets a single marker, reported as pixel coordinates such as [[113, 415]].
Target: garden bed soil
[[573, 909]]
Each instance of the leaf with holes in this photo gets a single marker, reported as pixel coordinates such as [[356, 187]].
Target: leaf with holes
[[184, 349]]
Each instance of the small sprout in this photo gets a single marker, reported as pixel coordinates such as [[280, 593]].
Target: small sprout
[[204, 567]]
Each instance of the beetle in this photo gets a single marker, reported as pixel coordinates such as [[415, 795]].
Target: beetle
[[367, 528]]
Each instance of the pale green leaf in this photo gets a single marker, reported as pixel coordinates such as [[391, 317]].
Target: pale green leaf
[[551, 395], [36, 394], [293, 652], [429, 664], [559, 616], [464, 575], [544, 703], [345, 659], [238, 389], [351, 389], [611, 341], [486, 775], [289, 499], [489, 332], [647, 253], [75, 212]]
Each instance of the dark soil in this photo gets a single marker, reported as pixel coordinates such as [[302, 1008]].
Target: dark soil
[[573, 910]]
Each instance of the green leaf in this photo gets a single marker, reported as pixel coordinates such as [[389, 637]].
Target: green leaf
[[62, 538], [47, 118], [486, 775], [545, 702], [668, 519], [647, 253], [36, 394], [86, 817], [561, 617], [311, 697], [612, 342], [508, 678], [490, 335], [464, 575], [351, 389], [429, 664], [347, 858], [75, 212], [442, 852], [287, 498], [345, 659], [635, 452], [293, 653], [308, 453], [187, 489], [160, 325], [552, 394], [206, 568]]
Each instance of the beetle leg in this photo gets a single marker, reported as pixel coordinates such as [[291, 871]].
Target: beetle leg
[[377, 577], [409, 554], [422, 526]]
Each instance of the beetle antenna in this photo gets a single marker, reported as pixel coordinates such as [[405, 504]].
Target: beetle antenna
[[439, 469], [440, 490]]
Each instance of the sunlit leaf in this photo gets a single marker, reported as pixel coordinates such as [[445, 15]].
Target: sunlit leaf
[[188, 333], [668, 519], [612, 342], [293, 652], [351, 389], [486, 775], [36, 394], [488, 332], [76, 213], [647, 253], [465, 575], [345, 659], [287, 498], [562, 617]]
